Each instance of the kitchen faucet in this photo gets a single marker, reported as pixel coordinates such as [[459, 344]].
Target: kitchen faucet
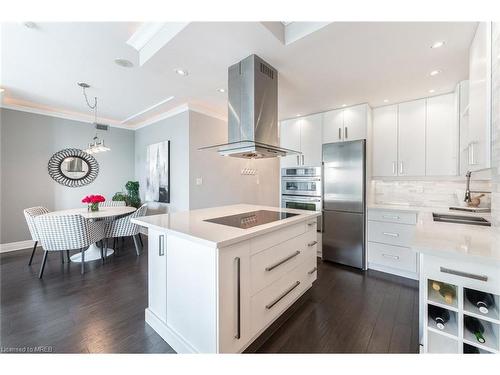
[[468, 191]]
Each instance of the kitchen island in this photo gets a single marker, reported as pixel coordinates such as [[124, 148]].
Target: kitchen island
[[218, 277]]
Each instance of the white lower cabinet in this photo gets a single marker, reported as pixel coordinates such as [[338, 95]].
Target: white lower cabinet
[[390, 233], [219, 300]]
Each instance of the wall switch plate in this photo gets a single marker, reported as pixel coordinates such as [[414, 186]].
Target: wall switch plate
[[199, 181]]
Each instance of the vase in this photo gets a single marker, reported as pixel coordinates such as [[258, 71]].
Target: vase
[[93, 207]]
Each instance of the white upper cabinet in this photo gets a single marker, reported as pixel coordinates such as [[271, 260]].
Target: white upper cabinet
[[333, 126], [310, 140], [479, 149], [411, 138], [347, 124], [355, 121], [302, 134], [442, 136], [290, 138], [385, 141]]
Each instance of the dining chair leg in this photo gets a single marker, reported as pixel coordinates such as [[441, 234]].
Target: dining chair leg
[[105, 249], [114, 245], [62, 257], [67, 256], [140, 239], [42, 267], [83, 261], [102, 254], [136, 244], [33, 253]]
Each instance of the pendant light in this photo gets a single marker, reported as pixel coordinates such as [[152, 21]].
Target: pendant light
[[97, 145]]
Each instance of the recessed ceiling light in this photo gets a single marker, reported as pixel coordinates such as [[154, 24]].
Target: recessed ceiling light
[[221, 90], [386, 100], [432, 90], [124, 63], [30, 25], [435, 72], [1, 90], [181, 72], [298, 115], [438, 44], [344, 105]]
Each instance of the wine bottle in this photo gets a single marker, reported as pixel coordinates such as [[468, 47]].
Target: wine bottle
[[483, 301], [469, 349], [474, 326], [439, 315], [448, 292]]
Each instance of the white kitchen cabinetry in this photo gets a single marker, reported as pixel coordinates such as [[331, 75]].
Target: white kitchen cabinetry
[[347, 124], [385, 141], [442, 136], [411, 138], [479, 146], [302, 134]]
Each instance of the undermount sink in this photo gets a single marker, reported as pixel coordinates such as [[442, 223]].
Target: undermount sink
[[461, 219]]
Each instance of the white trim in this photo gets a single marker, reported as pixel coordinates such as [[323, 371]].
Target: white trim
[[14, 246], [147, 109], [207, 112], [393, 271], [64, 115], [173, 112]]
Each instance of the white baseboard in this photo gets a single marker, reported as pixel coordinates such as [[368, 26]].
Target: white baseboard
[[393, 271], [14, 246]]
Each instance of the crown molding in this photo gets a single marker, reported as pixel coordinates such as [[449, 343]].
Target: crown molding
[[173, 112]]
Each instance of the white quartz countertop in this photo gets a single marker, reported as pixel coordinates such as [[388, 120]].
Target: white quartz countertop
[[191, 224], [448, 239]]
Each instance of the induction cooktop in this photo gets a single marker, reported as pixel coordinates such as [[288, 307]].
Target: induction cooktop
[[251, 219]]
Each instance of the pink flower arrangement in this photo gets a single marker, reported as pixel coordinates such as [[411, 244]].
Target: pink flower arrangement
[[91, 199]]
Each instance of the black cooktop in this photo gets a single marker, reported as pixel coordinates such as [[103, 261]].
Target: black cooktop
[[251, 219]]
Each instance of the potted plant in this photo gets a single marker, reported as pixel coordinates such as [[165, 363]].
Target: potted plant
[[93, 201], [132, 197]]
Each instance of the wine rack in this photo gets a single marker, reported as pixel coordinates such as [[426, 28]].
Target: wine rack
[[454, 335]]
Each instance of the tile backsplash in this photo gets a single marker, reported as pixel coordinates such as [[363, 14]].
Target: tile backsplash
[[426, 193]]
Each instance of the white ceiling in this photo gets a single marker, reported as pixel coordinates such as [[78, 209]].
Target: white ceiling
[[341, 63]]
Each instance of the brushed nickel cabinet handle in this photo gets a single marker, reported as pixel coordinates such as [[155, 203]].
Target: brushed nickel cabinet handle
[[282, 295], [394, 167], [390, 234], [464, 274], [311, 244], [345, 133], [311, 224], [390, 256], [291, 256], [302, 159], [340, 133], [298, 160], [391, 217], [161, 245], [401, 168], [312, 271], [238, 298]]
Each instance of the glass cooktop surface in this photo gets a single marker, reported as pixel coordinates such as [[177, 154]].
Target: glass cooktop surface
[[251, 219]]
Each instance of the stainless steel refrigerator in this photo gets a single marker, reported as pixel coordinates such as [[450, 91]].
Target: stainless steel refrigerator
[[344, 192]]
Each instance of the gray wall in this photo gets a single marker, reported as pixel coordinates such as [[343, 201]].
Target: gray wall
[[175, 129], [27, 143], [222, 181]]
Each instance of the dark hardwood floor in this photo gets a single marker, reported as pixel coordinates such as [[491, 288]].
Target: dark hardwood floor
[[346, 311]]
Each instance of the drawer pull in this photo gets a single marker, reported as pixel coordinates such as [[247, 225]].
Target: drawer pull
[[394, 217], [237, 336], [161, 245], [283, 295], [390, 234], [464, 274], [270, 268], [396, 257], [311, 224], [311, 244], [312, 271]]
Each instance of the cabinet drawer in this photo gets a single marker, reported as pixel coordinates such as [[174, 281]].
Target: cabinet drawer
[[470, 274], [274, 238], [269, 265], [392, 216], [270, 302], [402, 258], [390, 233]]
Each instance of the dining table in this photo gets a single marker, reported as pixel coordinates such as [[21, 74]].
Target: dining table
[[104, 213]]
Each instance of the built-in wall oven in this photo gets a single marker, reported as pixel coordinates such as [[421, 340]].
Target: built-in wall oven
[[301, 189]]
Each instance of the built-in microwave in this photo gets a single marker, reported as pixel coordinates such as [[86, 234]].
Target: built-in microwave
[[301, 181]]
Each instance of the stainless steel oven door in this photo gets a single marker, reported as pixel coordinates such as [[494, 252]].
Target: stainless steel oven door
[[301, 186], [301, 172], [303, 203]]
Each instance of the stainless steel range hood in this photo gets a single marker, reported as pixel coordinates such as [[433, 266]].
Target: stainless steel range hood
[[252, 112]]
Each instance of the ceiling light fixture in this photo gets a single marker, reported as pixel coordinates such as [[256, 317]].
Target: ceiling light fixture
[[30, 25], [344, 105], [1, 90], [124, 63], [435, 72], [438, 44], [432, 91], [97, 145], [221, 90], [298, 115], [182, 72], [386, 100]]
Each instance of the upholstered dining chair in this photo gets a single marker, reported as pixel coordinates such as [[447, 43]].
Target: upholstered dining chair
[[29, 215], [67, 232], [124, 227]]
